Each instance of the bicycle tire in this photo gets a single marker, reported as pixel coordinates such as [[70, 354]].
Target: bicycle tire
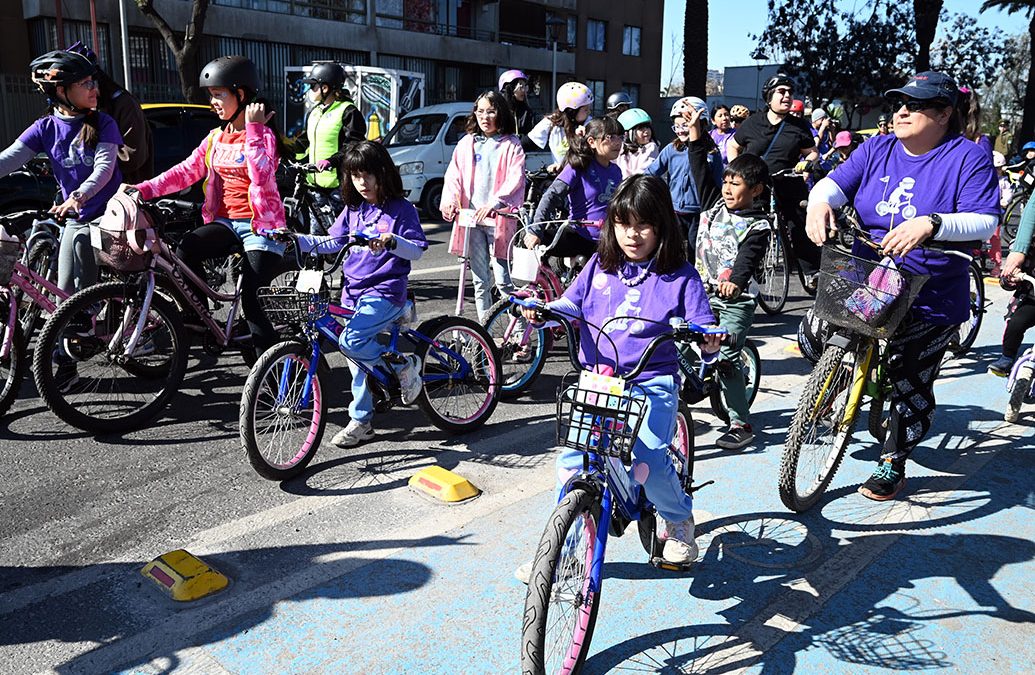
[[830, 381], [460, 402], [39, 261], [105, 400], [561, 579], [264, 408], [968, 330], [774, 278], [682, 450], [1012, 216], [876, 420], [13, 367], [752, 366], [1019, 392], [516, 377]]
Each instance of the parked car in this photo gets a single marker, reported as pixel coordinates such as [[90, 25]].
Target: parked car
[[422, 144]]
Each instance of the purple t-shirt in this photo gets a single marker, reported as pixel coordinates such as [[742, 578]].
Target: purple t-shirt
[[71, 161], [384, 273], [888, 186], [722, 139], [602, 296], [590, 192]]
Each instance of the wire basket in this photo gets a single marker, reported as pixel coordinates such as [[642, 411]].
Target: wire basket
[[599, 422], [113, 249], [284, 304], [10, 253], [865, 296]]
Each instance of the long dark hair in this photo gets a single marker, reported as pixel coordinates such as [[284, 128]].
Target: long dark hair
[[565, 119], [372, 158], [580, 154], [505, 124], [968, 115], [646, 198], [90, 133]]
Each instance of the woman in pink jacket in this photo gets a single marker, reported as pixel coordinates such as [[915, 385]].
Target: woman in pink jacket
[[486, 174], [238, 163]]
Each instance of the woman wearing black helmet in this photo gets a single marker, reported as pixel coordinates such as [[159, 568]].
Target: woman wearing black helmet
[[238, 162], [83, 146], [618, 103]]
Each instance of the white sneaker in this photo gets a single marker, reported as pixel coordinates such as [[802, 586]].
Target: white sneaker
[[410, 381], [680, 546], [353, 434]]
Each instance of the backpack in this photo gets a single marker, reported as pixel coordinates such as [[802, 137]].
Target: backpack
[[124, 238]]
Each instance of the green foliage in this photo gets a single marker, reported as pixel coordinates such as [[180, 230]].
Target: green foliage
[[972, 55]]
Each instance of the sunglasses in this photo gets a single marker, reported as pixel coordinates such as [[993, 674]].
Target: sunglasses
[[915, 104]]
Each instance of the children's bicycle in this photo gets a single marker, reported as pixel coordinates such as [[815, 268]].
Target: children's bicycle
[[600, 416], [1021, 383], [865, 301], [774, 274], [284, 408]]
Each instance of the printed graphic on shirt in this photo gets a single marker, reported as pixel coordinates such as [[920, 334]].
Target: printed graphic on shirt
[[900, 202], [77, 154], [626, 312], [228, 159]]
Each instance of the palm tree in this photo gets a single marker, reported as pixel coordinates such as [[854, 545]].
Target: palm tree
[[926, 14], [1027, 131], [695, 48]]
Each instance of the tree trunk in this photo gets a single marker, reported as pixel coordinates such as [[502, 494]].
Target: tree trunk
[[695, 48], [1027, 131], [925, 13], [185, 49]]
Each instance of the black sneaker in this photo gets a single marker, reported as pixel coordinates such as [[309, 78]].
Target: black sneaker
[[886, 481], [66, 377], [1002, 366], [736, 438]]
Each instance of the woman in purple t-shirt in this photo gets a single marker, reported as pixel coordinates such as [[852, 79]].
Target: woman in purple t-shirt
[[722, 130], [83, 147], [925, 182]]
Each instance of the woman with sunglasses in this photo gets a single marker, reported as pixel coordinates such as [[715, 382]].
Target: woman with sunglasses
[[927, 181], [83, 147]]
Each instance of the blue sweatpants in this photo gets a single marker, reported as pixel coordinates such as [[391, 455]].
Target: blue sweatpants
[[358, 340]]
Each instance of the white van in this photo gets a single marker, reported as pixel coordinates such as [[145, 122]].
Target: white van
[[422, 144]]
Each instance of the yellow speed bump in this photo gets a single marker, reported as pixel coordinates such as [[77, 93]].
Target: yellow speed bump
[[184, 576], [443, 484]]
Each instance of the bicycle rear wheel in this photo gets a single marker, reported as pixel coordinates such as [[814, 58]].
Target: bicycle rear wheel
[[522, 348], [14, 365], [461, 371], [822, 425], [1019, 393], [968, 330], [751, 366], [563, 597], [39, 260], [82, 369], [1012, 216], [279, 433], [774, 276]]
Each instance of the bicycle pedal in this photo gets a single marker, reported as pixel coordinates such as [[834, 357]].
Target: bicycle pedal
[[394, 358], [663, 564]]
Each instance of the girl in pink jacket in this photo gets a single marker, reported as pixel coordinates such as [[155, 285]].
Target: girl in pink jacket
[[238, 163], [487, 175]]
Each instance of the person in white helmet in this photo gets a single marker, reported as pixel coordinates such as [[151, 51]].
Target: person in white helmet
[[555, 131]]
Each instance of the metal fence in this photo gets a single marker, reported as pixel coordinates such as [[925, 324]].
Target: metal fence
[[21, 104]]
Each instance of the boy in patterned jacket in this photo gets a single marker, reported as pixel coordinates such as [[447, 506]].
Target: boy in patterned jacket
[[731, 243]]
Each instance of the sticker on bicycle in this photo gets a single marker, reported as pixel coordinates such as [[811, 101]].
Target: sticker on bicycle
[[1028, 178], [611, 387], [309, 281]]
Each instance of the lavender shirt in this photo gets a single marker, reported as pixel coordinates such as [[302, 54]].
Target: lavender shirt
[[722, 139], [590, 192]]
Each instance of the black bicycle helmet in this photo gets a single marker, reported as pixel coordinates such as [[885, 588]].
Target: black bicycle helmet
[[778, 80], [232, 72], [59, 68], [618, 98], [326, 72]]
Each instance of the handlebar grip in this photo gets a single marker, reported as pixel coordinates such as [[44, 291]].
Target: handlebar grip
[[528, 303]]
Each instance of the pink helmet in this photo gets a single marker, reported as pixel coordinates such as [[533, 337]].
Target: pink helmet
[[511, 75], [573, 95]]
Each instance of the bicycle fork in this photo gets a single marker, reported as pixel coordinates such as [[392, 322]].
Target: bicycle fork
[[138, 328], [307, 386], [12, 319]]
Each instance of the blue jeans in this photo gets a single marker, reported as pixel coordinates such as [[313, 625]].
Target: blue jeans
[[651, 464], [359, 341], [479, 246]]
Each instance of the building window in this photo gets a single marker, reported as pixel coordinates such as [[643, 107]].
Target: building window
[[597, 87], [634, 92], [631, 41], [573, 30], [596, 35]]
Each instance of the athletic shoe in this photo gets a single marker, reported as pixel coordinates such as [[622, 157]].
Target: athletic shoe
[[736, 438], [353, 434], [886, 481], [410, 382], [680, 546], [66, 376], [1002, 366], [521, 354]]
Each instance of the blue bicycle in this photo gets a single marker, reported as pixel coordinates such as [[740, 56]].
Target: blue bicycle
[[283, 405], [600, 416]]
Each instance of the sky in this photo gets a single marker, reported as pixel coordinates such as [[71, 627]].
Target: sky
[[730, 23]]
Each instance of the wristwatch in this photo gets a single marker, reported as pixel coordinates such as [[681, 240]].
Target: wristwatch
[[76, 196], [936, 223]]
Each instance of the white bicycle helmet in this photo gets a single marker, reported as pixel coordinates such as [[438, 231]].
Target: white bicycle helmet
[[573, 95]]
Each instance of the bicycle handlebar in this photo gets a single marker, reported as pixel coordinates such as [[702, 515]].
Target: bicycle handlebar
[[941, 246], [355, 240]]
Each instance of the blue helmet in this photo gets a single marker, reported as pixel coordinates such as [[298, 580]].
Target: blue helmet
[[1030, 145], [633, 117]]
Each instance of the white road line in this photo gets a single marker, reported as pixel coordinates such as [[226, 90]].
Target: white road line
[[435, 270]]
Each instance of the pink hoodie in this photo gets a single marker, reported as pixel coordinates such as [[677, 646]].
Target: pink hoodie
[[260, 155], [508, 187]]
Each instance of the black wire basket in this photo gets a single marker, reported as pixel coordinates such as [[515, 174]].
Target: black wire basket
[[599, 422], [866, 296], [284, 304]]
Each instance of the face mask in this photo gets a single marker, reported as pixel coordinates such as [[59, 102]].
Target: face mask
[[314, 96]]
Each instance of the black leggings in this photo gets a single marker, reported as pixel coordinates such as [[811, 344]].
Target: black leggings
[[216, 240], [790, 193], [1019, 318], [572, 245]]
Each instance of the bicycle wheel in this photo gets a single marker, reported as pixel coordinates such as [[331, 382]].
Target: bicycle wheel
[[1019, 392], [563, 597], [751, 366], [461, 371], [279, 433], [877, 420], [774, 276], [14, 365], [682, 453], [1012, 216], [39, 260], [83, 372], [522, 348], [822, 426], [968, 330]]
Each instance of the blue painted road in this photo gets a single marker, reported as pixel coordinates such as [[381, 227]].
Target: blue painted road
[[938, 580]]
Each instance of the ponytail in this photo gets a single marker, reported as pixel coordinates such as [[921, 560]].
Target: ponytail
[[580, 154], [90, 132]]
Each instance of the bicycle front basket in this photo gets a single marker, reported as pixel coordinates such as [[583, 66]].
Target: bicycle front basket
[[113, 249], [865, 296], [284, 304], [601, 422], [10, 253]]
